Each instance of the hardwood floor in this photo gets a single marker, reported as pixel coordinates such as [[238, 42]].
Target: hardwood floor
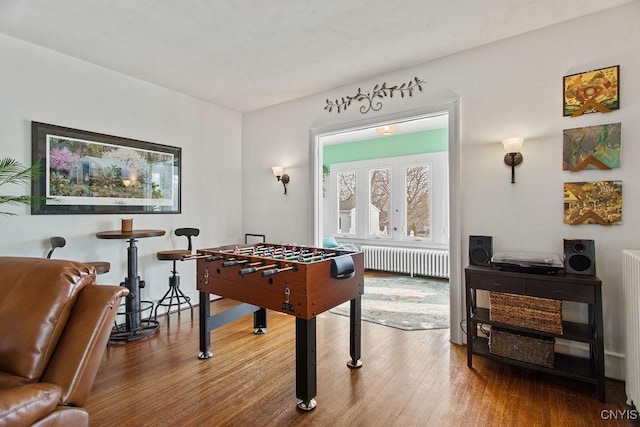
[[408, 378]]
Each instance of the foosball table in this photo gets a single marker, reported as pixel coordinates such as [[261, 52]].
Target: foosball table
[[300, 281]]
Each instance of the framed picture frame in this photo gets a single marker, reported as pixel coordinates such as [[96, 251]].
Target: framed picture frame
[[83, 172], [597, 202], [591, 91], [591, 147]]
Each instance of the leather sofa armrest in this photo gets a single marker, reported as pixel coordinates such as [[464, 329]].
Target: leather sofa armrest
[[26, 404], [75, 362]]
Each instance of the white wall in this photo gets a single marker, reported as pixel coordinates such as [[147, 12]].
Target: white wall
[[45, 86], [505, 88]]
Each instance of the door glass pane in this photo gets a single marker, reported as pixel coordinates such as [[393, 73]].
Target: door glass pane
[[347, 202], [418, 184], [379, 201]]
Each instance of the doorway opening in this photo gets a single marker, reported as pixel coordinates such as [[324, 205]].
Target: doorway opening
[[386, 185]]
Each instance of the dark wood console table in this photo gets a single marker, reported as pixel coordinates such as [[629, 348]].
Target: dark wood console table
[[565, 287], [134, 327]]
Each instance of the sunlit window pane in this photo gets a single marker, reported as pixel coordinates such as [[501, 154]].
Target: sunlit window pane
[[379, 201], [347, 202], [418, 185]]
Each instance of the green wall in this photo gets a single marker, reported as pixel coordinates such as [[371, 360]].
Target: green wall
[[428, 141]]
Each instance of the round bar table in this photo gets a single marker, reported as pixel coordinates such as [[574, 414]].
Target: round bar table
[[134, 327]]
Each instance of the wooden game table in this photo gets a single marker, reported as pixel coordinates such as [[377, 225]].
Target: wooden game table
[[299, 281]]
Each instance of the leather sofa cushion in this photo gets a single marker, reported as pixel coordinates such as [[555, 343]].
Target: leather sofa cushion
[[26, 404], [36, 297], [8, 380], [65, 416]]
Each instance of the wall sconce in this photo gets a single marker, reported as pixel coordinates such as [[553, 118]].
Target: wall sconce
[[283, 177], [513, 157], [126, 182]]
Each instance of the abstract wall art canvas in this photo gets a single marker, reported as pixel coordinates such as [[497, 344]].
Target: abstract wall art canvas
[[592, 147], [591, 92], [593, 202]]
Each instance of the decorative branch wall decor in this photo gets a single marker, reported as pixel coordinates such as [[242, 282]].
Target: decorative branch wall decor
[[379, 91]]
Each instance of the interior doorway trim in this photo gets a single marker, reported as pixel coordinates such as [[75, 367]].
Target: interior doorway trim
[[452, 108]]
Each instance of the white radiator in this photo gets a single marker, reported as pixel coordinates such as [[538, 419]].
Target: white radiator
[[631, 294], [423, 262]]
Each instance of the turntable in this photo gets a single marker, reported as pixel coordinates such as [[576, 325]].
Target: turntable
[[528, 262]]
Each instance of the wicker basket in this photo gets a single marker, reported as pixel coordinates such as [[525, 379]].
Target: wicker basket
[[540, 314], [530, 348]]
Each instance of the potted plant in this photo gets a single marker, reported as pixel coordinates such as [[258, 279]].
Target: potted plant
[[14, 172]]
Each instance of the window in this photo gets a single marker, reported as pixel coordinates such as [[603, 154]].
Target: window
[[347, 182], [379, 201], [417, 209], [402, 199]]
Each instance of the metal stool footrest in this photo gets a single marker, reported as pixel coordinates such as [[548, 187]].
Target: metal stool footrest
[[127, 332]]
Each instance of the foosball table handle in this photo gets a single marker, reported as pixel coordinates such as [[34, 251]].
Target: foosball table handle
[[267, 273]]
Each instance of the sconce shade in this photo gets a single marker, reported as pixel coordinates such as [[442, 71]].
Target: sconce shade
[[278, 171], [513, 157], [512, 145]]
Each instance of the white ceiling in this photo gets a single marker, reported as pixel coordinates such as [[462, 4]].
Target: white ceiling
[[250, 54]]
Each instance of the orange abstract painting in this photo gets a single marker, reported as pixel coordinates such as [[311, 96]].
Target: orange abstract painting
[[591, 91]]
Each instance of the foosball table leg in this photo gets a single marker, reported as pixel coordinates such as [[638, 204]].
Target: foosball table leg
[[205, 335], [306, 363], [260, 322], [355, 333]]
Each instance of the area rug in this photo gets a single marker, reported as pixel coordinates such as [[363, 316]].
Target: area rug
[[404, 302]]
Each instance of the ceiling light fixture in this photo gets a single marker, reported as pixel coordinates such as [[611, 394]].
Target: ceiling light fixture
[[387, 130]]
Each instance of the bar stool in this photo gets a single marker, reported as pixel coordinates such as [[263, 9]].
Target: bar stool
[[174, 291], [101, 267]]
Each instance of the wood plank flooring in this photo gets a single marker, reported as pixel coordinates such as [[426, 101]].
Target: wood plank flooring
[[408, 378]]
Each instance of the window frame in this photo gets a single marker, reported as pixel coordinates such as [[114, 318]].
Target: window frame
[[438, 200]]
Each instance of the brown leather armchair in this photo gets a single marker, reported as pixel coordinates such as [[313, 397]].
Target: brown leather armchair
[[54, 328]]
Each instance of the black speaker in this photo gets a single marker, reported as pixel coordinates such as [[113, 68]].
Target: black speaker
[[580, 257], [480, 250]]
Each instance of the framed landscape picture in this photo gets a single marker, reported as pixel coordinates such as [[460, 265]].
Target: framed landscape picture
[[593, 202], [85, 172], [591, 91], [592, 147]]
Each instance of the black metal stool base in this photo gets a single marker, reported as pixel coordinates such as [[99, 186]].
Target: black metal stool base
[[173, 297], [120, 334], [125, 333]]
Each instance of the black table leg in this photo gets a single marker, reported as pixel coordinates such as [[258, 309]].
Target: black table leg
[[205, 334], [134, 327], [208, 322], [260, 322], [132, 282], [355, 333], [306, 384]]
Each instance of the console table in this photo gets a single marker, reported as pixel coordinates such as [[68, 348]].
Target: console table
[[566, 287], [134, 327]]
